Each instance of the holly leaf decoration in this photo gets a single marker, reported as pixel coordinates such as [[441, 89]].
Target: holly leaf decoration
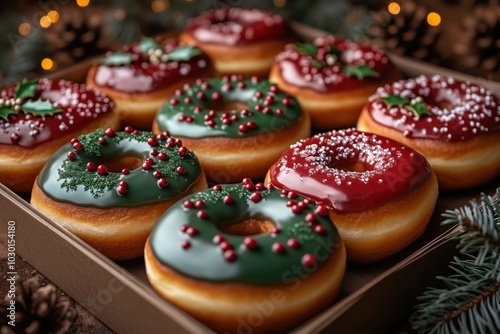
[[149, 43], [418, 109], [183, 52], [394, 100], [307, 48], [40, 108], [118, 58], [361, 71], [5, 112], [26, 89]]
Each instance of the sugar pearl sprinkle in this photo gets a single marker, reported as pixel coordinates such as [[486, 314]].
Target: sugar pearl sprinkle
[[296, 66], [316, 159], [80, 105], [460, 110]]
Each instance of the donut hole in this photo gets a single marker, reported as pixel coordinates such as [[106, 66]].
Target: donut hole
[[228, 105], [248, 226], [116, 165], [350, 166]]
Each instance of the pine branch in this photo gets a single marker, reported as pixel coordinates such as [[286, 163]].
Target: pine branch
[[469, 301]]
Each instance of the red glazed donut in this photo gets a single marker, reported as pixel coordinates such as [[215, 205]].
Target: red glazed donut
[[454, 124], [380, 192], [143, 75], [238, 40], [332, 78], [37, 117]]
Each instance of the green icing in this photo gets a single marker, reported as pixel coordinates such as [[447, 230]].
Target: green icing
[[205, 260], [66, 180], [269, 111]]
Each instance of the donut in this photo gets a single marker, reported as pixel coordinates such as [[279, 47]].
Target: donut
[[141, 76], [37, 117], [454, 124], [236, 126], [108, 188], [244, 258], [381, 194], [238, 40], [332, 78]]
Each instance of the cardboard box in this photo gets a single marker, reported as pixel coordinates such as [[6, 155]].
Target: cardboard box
[[373, 298]]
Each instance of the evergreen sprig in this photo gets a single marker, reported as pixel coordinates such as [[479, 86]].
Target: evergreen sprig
[[469, 302]]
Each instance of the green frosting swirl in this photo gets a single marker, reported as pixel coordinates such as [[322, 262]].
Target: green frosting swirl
[[187, 113], [205, 259], [69, 180]]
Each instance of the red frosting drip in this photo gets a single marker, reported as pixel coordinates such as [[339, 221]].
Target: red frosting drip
[[143, 76], [460, 110], [295, 66], [231, 26], [350, 171], [80, 106]]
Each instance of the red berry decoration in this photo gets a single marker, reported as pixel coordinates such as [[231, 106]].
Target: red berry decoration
[[319, 229], [202, 214], [101, 140], [157, 174], [250, 243], [256, 197], [310, 217], [199, 204], [192, 231], [293, 243], [309, 260], [182, 151], [278, 248], [91, 166], [184, 228], [290, 203], [121, 190], [162, 156], [225, 246], [125, 171], [110, 132], [275, 230], [228, 199], [188, 204], [146, 165], [230, 255], [71, 155], [218, 239], [102, 170], [242, 128], [128, 129], [78, 146], [217, 187], [174, 102], [180, 170], [186, 244], [162, 183], [152, 141], [321, 210]]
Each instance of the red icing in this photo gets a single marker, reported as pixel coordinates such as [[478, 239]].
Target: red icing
[[295, 66], [312, 167], [143, 76], [80, 106], [470, 109], [232, 26]]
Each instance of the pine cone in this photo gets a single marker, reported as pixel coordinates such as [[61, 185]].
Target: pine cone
[[75, 37], [479, 47], [38, 309], [406, 33]]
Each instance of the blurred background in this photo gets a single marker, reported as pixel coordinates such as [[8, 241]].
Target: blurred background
[[42, 36]]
